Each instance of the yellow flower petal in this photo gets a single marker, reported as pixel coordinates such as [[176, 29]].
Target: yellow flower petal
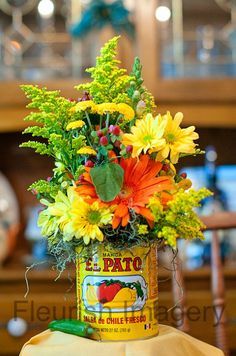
[[177, 140], [87, 219], [75, 125], [146, 135], [84, 105], [104, 108], [122, 108], [87, 151], [126, 110]]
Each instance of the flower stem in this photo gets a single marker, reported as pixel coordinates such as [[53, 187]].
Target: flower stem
[[88, 140], [88, 119], [118, 119], [107, 120]]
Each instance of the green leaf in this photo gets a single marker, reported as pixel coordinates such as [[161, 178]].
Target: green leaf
[[103, 151], [108, 180]]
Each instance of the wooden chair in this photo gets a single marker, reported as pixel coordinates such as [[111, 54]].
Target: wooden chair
[[214, 222]]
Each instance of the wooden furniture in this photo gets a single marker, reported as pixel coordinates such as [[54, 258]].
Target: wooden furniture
[[214, 222], [221, 220], [198, 99], [201, 104]]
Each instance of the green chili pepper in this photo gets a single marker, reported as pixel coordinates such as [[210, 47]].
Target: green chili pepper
[[70, 326]]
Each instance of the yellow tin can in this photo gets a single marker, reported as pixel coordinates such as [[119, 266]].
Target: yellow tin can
[[117, 293]]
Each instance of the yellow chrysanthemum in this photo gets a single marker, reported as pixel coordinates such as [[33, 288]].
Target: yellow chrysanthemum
[[122, 108], [126, 110], [87, 219], [145, 135], [104, 108], [177, 140], [84, 105], [57, 215], [75, 125], [87, 151]]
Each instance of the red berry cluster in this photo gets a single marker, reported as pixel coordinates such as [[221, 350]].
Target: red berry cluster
[[103, 134]]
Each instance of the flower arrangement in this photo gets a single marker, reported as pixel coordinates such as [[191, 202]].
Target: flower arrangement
[[114, 180]]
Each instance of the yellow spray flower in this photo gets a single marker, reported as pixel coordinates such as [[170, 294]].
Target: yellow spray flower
[[87, 150], [177, 140], [147, 134], [84, 105], [104, 108], [87, 219], [75, 125], [126, 110], [122, 108]]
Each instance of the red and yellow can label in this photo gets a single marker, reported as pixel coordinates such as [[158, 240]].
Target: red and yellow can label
[[117, 293]]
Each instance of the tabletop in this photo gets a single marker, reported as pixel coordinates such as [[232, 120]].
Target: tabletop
[[169, 341]]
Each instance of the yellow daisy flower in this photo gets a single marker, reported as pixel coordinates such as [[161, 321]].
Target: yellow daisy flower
[[75, 125], [84, 105], [147, 134], [87, 150], [177, 140], [87, 219]]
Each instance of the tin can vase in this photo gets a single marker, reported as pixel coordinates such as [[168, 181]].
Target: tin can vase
[[117, 293]]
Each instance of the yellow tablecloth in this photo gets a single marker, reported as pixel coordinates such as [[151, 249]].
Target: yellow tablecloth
[[169, 342]]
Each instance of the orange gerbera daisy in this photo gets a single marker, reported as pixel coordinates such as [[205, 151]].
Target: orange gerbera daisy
[[140, 183]]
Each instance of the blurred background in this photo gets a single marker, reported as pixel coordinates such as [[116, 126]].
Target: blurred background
[[188, 52]]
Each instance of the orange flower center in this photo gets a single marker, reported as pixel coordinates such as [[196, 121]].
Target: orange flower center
[[126, 192]]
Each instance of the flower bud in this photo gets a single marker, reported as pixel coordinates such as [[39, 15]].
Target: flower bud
[[129, 149], [140, 108], [89, 163], [99, 133], [85, 97], [110, 128], [136, 95], [117, 144], [104, 141], [166, 167], [116, 130]]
